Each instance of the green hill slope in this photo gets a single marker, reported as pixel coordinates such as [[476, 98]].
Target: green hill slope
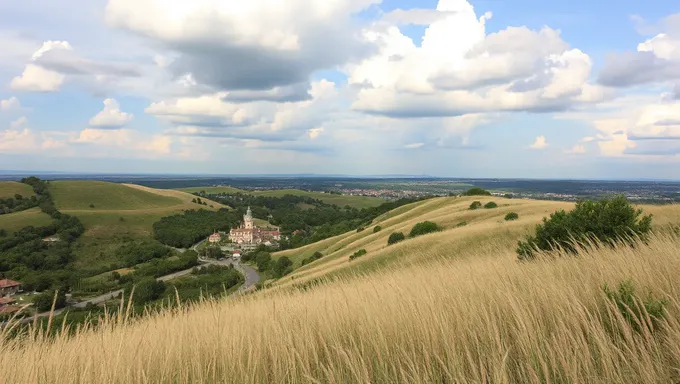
[[13, 222], [11, 188], [121, 213]]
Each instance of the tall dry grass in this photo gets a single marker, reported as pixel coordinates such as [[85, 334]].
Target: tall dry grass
[[487, 319]]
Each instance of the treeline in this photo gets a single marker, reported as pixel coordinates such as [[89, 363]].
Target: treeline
[[17, 203], [184, 230], [37, 264]]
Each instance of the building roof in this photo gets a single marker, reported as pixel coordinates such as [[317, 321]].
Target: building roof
[[237, 251], [7, 283], [9, 309], [6, 300]]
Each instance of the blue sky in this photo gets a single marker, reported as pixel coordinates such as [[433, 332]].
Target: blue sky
[[453, 88]]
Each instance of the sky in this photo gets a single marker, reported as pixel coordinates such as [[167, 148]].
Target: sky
[[451, 88]]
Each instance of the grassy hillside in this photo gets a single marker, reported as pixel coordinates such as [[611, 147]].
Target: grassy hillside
[[11, 188], [483, 227], [457, 308], [78, 195], [121, 212], [339, 200], [15, 221]]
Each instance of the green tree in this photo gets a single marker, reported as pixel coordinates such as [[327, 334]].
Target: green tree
[[263, 261], [281, 266], [395, 238], [377, 229], [511, 216], [43, 301], [475, 205], [476, 192], [424, 228], [607, 221], [490, 205], [146, 290]]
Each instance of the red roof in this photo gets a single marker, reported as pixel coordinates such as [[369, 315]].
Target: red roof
[[9, 309], [6, 300], [7, 283], [237, 252]]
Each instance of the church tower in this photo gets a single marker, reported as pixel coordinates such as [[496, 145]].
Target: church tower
[[248, 219]]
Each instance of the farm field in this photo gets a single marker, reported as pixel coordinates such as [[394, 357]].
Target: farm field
[[13, 222], [453, 306]]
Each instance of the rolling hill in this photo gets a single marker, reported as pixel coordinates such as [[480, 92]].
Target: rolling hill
[[11, 188], [453, 306], [13, 222], [339, 200], [121, 212]]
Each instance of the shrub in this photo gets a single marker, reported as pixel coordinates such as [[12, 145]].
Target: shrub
[[424, 228], [281, 266], [43, 301], [395, 238], [607, 221], [461, 224], [377, 229], [475, 205], [91, 205], [360, 229], [634, 309], [490, 205], [508, 196], [358, 253], [476, 192], [316, 256], [511, 216]]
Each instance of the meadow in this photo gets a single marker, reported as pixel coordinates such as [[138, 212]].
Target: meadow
[[13, 222], [11, 188], [452, 306]]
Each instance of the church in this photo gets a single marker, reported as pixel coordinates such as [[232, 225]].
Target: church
[[249, 233]]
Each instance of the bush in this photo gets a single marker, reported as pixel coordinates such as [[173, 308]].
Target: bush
[[476, 192], [377, 229], [424, 228], [395, 238], [490, 205], [511, 216], [145, 290], [281, 267], [358, 253], [475, 205], [360, 229], [316, 256], [43, 301], [461, 224], [631, 306], [91, 205], [607, 221]]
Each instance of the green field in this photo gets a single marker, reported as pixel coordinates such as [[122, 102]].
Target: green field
[[11, 188], [339, 200], [122, 212], [13, 222], [212, 190], [78, 195]]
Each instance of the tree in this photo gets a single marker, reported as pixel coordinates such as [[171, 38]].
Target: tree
[[377, 229], [43, 301], [281, 266], [476, 192], [490, 205], [424, 228], [511, 216], [214, 253], [3, 232], [263, 261], [475, 205], [147, 289], [608, 221], [395, 238], [357, 254]]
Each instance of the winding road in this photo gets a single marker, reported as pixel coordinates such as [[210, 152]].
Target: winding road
[[250, 279]]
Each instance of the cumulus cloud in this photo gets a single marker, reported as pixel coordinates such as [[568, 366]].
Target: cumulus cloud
[[656, 60], [252, 45], [111, 117], [515, 69], [19, 138], [539, 143], [10, 104]]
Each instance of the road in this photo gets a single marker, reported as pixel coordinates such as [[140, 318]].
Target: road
[[250, 279]]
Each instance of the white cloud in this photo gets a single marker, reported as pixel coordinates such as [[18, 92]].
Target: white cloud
[[38, 79], [539, 143], [246, 45], [11, 104], [414, 145], [111, 117], [19, 138], [515, 69]]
